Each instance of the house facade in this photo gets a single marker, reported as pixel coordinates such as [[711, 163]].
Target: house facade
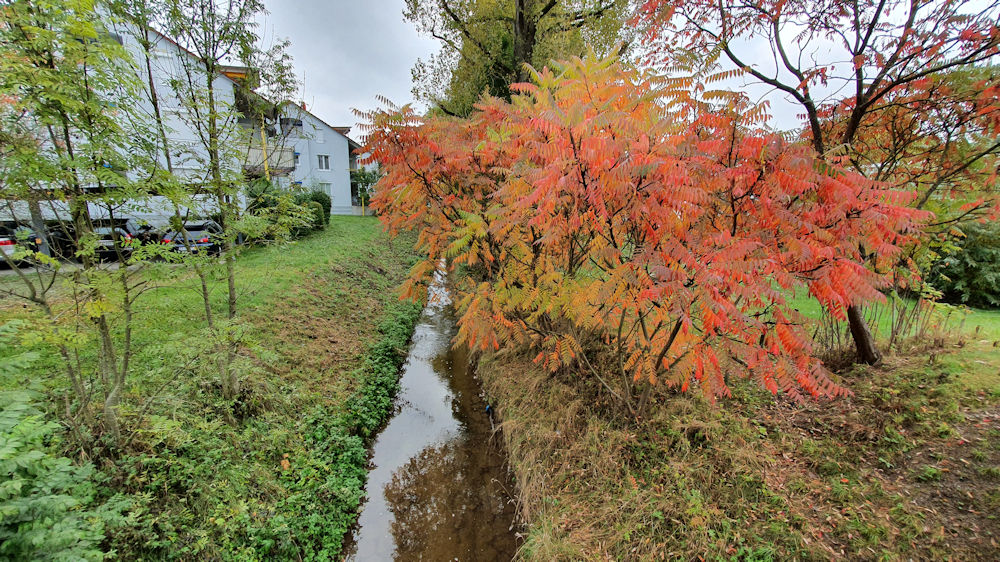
[[324, 156], [314, 155]]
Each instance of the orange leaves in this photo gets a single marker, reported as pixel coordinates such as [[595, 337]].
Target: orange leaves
[[611, 236]]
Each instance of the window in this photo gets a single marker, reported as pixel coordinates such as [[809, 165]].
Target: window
[[325, 188], [324, 161], [291, 125]]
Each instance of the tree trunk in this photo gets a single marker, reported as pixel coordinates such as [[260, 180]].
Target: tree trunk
[[525, 28], [38, 225], [111, 379], [864, 342]]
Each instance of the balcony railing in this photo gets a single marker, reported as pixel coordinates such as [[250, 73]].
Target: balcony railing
[[280, 159]]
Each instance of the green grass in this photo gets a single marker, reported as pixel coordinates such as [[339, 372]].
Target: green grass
[[320, 330], [974, 321]]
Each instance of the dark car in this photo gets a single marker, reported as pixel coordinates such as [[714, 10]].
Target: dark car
[[129, 233], [201, 237], [107, 237]]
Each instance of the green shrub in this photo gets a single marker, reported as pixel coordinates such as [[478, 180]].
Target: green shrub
[[318, 216], [276, 213], [971, 274], [45, 500], [262, 194], [325, 202], [314, 210]]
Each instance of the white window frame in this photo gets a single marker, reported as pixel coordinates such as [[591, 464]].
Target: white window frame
[[323, 162]]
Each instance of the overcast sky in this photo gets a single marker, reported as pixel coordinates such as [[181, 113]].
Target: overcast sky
[[348, 52]]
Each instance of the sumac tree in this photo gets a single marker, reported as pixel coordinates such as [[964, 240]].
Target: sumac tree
[[874, 81], [614, 226]]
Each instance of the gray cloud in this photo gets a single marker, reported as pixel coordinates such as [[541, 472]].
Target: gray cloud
[[348, 52]]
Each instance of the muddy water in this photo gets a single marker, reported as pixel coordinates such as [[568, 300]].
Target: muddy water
[[439, 489]]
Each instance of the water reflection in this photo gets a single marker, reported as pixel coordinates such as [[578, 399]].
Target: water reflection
[[446, 505], [438, 489]]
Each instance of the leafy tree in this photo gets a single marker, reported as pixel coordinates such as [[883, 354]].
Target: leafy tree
[[612, 225], [970, 274], [855, 70], [487, 43], [71, 89], [365, 179], [214, 33]]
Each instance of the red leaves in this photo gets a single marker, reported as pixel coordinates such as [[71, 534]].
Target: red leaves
[[596, 222]]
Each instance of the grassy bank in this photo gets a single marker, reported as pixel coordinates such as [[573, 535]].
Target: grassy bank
[[322, 338], [908, 467]]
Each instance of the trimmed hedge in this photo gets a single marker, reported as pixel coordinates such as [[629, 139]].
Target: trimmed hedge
[[324, 201], [319, 219]]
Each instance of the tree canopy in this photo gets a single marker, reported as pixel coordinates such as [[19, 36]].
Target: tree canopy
[[486, 43], [612, 225], [896, 90]]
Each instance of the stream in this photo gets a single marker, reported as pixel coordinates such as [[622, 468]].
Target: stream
[[438, 488]]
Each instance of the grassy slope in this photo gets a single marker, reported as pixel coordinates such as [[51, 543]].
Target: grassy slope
[[907, 467], [201, 488]]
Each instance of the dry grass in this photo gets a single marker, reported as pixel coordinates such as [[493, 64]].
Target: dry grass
[[907, 468]]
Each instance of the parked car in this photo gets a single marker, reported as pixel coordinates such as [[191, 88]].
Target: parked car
[[129, 233], [62, 239], [13, 239], [107, 237], [201, 237]]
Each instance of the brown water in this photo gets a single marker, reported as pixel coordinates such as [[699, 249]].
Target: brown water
[[439, 488]]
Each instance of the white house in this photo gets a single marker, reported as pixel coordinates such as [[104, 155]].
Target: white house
[[301, 149], [295, 148], [324, 156]]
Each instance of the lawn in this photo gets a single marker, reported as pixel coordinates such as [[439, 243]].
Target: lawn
[[319, 324], [971, 321]]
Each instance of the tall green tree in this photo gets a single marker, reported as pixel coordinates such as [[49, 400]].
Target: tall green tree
[[211, 35], [486, 44], [69, 88]]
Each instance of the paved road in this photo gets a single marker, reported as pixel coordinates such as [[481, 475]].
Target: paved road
[[67, 266]]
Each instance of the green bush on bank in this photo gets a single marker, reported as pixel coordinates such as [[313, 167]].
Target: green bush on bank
[[971, 274], [44, 499], [318, 216], [47, 503], [325, 489], [299, 214], [324, 202]]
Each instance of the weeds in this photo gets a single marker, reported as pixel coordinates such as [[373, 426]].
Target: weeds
[[754, 479], [280, 483]]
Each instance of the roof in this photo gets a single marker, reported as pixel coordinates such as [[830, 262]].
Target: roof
[[340, 130], [225, 70]]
